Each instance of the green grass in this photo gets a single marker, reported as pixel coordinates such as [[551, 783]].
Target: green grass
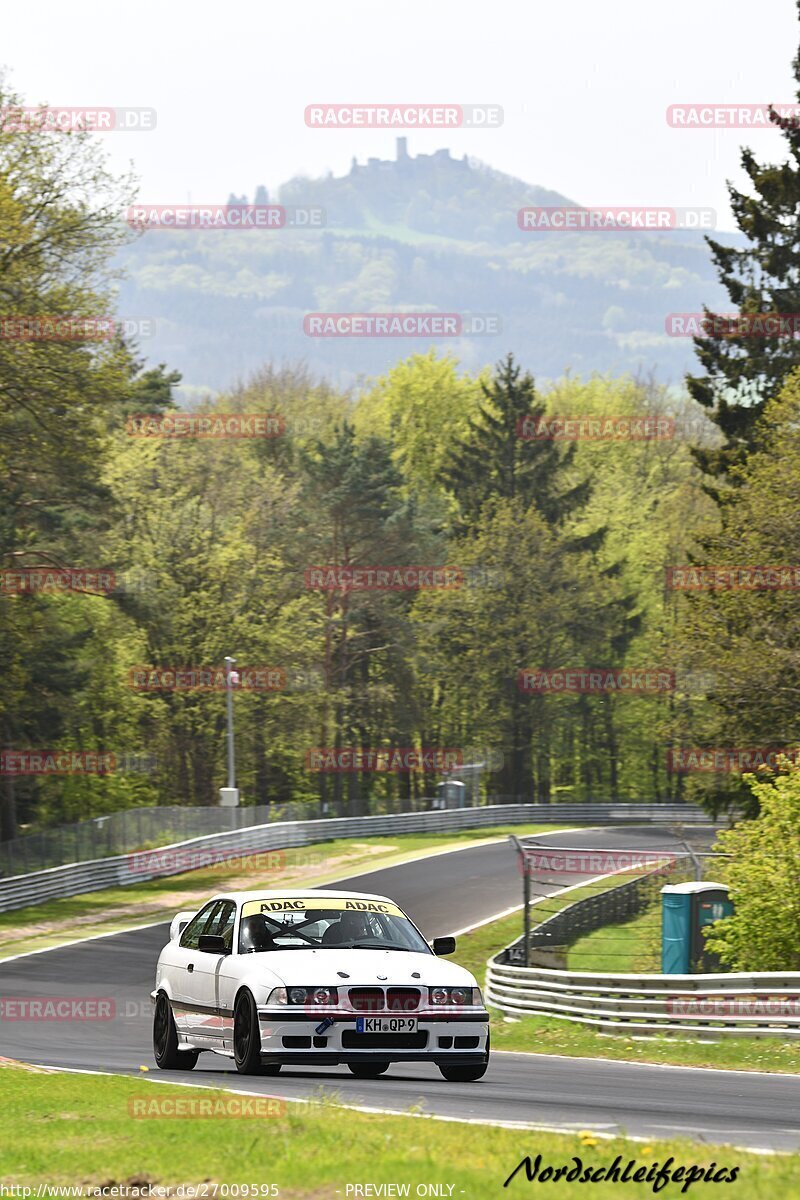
[[631, 947], [56, 921], [549, 1035], [82, 1130]]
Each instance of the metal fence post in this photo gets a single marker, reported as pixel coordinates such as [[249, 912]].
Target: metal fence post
[[696, 863], [526, 902], [526, 897]]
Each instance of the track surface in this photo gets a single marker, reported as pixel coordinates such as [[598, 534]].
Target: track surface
[[442, 893]]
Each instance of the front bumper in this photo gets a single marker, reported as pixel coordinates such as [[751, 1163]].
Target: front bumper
[[441, 1038]]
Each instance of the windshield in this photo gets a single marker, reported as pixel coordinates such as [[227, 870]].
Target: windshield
[[270, 925]]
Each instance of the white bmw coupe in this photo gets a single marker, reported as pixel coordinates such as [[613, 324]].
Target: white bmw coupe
[[316, 977]]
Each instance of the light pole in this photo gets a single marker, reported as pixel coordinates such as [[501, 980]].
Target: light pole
[[229, 796]]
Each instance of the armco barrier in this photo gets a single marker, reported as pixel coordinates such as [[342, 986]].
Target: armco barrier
[[125, 831], [21, 890], [764, 1004]]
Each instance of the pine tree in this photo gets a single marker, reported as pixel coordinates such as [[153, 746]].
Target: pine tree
[[495, 460], [742, 372]]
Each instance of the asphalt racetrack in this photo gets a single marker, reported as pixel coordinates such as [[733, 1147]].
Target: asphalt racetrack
[[443, 894]]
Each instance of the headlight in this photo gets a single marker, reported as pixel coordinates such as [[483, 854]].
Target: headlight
[[324, 996], [457, 997], [304, 995]]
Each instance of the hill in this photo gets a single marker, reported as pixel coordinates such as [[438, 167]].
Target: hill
[[430, 233]]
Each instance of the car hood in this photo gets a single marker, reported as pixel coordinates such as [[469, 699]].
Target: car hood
[[326, 967]]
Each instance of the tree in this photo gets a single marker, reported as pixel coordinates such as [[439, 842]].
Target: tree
[[422, 405], [360, 517], [764, 877], [497, 459], [748, 638], [59, 229], [743, 371], [210, 532], [530, 605]]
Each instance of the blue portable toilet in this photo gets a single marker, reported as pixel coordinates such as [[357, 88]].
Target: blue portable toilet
[[686, 908], [676, 928]]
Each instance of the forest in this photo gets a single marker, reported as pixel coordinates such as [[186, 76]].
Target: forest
[[419, 577]]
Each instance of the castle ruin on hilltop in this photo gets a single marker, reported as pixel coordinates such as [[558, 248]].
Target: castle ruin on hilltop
[[404, 160]]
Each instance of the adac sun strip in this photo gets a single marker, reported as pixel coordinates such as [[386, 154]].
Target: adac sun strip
[[302, 903]]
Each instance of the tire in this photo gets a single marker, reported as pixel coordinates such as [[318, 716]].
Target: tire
[[165, 1039], [368, 1070], [461, 1074], [247, 1038], [458, 1073]]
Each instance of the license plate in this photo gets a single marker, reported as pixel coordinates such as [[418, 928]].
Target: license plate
[[386, 1024]]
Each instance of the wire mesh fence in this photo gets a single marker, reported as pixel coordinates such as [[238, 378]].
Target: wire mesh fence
[[145, 828], [597, 910]]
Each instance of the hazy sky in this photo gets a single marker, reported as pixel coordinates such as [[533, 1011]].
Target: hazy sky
[[584, 86]]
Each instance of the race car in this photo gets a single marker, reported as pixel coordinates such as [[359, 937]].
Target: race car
[[315, 977]]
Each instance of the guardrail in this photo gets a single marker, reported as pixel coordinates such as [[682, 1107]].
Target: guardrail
[[765, 1004], [113, 834], [98, 874]]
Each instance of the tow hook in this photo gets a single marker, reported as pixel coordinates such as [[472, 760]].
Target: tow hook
[[324, 1025]]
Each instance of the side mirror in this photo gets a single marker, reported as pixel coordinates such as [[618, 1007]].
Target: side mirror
[[179, 923], [442, 945], [212, 943]]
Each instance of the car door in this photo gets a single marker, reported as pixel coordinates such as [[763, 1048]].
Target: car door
[[208, 1024], [183, 961]]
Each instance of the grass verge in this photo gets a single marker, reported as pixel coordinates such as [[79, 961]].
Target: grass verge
[[62, 1129], [56, 921], [547, 1035], [631, 947]]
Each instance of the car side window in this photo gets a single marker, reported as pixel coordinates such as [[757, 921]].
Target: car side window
[[221, 922], [191, 934]]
